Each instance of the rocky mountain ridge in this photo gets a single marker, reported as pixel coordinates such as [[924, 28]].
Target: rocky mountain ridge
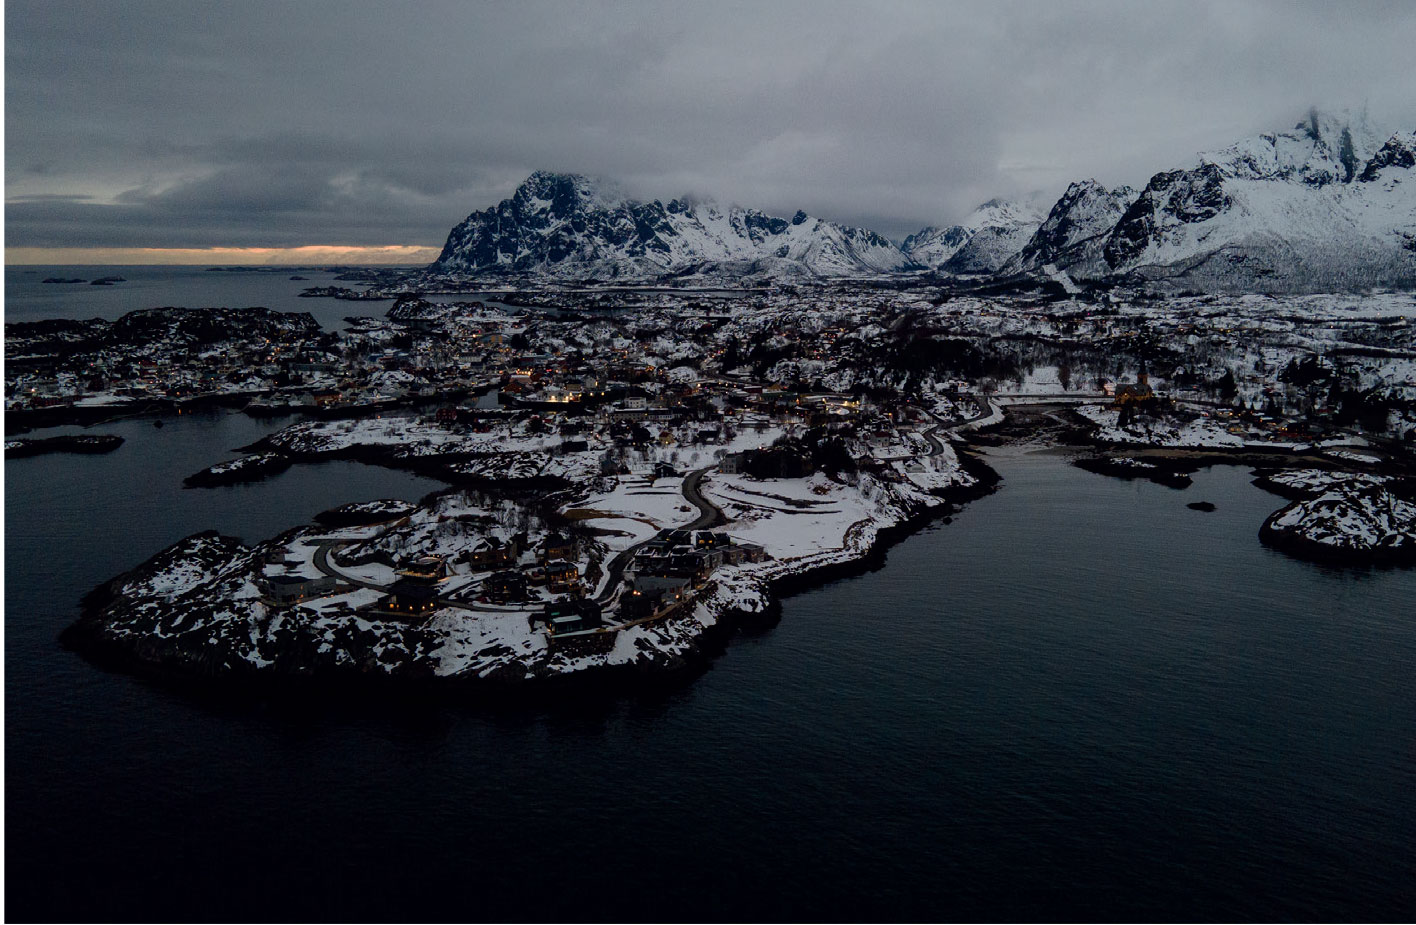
[[983, 241], [1327, 205], [567, 225]]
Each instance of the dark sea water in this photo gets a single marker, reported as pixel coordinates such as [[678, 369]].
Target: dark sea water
[[1079, 700], [28, 298]]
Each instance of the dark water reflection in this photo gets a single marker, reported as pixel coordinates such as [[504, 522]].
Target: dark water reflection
[[1078, 699]]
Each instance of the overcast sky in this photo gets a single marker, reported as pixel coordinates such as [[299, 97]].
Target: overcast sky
[[192, 125]]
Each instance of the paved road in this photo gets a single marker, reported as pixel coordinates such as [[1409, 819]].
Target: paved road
[[709, 516], [321, 562], [936, 446]]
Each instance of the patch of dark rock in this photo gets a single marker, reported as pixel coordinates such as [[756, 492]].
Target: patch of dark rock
[[1161, 472], [80, 443], [246, 469], [365, 513]]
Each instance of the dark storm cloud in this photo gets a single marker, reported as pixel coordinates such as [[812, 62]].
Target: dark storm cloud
[[277, 124]]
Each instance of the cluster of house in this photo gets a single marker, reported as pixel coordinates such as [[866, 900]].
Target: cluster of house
[[511, 579], [415, 590], [667, 569], [663, 576], [1135, 398]]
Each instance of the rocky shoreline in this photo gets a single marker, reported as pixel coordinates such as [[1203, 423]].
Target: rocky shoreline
[[23, 420], [1171, 474], [251, 468], [1341, 518], [443, 467], [1342, 513], [348, 649], [741, 602], [77, 443]]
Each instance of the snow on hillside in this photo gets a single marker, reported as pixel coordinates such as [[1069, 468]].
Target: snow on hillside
[[1328, 205], [1315, 207], [571, 226], [1075, 229], [980, 243]]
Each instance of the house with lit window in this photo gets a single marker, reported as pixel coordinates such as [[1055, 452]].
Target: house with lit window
[[410, 599]]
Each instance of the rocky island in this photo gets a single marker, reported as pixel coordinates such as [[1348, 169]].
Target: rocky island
[[77, 443], [631, 563], [251, 468], [682, 410], [1342, 517], [647, 481]]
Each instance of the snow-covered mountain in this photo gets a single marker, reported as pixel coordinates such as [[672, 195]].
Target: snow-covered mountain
[[1076, 229], [1329, 204], [566, 225], [931, 246], [981, 243]]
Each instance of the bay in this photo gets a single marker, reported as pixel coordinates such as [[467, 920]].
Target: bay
[[1078, 695], [29, 298], [1078, 699]]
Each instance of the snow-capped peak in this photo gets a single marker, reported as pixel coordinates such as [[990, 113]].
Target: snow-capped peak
[[1073, 230], [570, 225], [1323, 148], [1280, 210], [982, 241]]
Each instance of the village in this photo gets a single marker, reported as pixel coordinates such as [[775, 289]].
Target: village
[[623, 480], [1314, 364]]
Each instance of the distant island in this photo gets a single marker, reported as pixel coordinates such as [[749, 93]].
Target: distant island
[[78, 443]]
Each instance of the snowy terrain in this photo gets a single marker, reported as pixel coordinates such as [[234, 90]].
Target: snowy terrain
[[1330, 204], [1075, 229], [983, 241], [199, 604], [1352, 518], [567, 225]]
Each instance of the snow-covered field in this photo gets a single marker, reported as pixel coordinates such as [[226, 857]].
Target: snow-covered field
[[636, 508]]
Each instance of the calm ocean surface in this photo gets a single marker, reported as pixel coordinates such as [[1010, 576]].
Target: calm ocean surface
[[1080, 699], [29, 298]]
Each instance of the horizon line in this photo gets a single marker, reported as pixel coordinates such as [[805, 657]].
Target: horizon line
[[303, 255]]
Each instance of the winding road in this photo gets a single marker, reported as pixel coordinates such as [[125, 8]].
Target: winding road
[[709, 516], [935, 445]]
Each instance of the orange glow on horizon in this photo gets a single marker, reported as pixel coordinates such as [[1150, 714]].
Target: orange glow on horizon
[[310, 254]]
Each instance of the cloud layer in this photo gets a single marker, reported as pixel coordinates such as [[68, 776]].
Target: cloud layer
[[180, 125]]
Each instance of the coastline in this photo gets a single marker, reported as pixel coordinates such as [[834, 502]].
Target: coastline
[[698, 637], [671, 648]]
